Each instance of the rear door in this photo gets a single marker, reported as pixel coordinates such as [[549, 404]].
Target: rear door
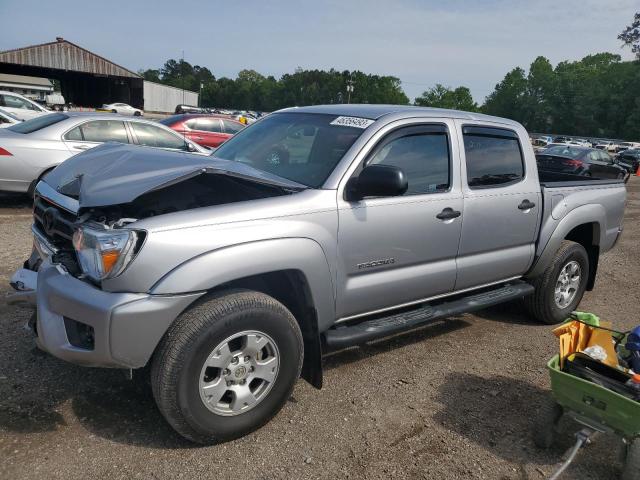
[[207, 131], [502, 205], [395, 250]]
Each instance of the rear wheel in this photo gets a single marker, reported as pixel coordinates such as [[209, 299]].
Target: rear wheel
[[136, 114], [227, 366], [559, 290]]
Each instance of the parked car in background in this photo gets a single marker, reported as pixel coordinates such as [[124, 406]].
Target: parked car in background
[[189, 109], [607, 145], [22, 107], [31, 149], [630, 159], [578, 160], [206, 130], [7, 119], [622, 146], [123, 109], [539, 144]]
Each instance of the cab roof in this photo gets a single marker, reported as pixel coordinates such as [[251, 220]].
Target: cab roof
[[375, 112]]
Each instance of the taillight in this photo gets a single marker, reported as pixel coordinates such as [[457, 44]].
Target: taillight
[[573, 163], [5, 153]]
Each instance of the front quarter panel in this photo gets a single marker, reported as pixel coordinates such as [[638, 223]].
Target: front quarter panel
[[224, 265]]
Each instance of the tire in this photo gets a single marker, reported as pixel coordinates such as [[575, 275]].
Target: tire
[[178, 369], [137, 114], [542, 303], [544, 431], [631, 470], [114, 111]]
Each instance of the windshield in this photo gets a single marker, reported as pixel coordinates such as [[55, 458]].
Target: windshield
[[565, 151], [38, 123], [303, 147]]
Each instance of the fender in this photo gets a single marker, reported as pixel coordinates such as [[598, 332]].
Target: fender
[[584, 214], [224, 265]]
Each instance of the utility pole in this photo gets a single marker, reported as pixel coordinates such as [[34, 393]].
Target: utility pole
[[182, 75], [200, 94], [349, 88]]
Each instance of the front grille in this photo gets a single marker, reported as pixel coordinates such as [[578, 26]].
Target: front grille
[[55, 223]]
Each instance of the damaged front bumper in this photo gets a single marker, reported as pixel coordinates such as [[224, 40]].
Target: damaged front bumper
[[82, 324]]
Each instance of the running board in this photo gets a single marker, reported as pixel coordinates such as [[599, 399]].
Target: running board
[[346, 336]]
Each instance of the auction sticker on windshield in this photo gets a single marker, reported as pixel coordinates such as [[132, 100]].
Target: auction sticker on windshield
[[352, 122]]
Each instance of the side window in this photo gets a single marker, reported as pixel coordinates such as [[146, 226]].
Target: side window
[[232, 127], [153, 136], [422, 153], [74, 135], [16, 102], [493, 157], [605, 157], [593, 157], [103, 131], [208, 125], [191, 124]]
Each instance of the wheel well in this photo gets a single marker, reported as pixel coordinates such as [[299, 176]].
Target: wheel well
[[588, 235], [290, 287]]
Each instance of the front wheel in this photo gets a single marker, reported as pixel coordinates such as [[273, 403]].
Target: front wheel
[[559, 290], [227, 366]]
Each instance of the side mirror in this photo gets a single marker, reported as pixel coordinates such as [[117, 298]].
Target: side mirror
[[191, 147], [378, 181]]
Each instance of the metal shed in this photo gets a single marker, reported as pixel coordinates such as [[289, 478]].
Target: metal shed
[[164, 98], [86, 79]]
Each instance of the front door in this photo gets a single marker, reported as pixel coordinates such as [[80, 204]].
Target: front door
[[501, 206], [398, 250]]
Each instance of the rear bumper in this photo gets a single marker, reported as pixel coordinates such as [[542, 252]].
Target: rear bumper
[[126, 327]]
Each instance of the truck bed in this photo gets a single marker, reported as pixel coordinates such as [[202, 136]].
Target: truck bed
[[558, 179]]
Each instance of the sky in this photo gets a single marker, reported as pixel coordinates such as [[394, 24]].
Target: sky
[[452, 42]]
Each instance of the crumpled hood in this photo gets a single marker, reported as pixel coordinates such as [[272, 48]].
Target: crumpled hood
[[113, 173]]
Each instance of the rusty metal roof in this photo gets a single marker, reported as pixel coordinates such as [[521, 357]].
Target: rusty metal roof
[[64, 55]]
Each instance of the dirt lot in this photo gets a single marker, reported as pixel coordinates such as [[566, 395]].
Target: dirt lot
[[453, 400]]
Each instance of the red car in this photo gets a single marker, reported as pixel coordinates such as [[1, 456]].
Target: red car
[[204, 129]]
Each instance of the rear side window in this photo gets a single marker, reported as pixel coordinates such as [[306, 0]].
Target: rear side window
[[232, 127], [99, 131], [208, 125], [154, 136], [423, 155], [493, 156]]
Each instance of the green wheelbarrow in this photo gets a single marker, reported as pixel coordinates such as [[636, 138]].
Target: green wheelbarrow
[[597, 409]]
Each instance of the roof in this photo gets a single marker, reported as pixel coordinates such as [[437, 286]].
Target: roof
[[64, 55], [374, 112], [22, 79]]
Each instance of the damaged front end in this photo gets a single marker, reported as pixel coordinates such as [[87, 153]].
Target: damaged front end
[[85, 211]]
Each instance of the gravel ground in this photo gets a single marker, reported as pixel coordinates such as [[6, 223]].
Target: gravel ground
[[453, 400]]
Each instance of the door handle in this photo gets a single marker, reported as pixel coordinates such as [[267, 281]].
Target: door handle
[[526, 205], [448, 214], [81, 147]]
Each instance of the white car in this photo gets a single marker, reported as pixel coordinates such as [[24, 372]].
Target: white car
[[21, 107], [7, 119], [123, 109]]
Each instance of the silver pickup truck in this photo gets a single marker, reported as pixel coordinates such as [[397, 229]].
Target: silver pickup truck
[[314, 229]]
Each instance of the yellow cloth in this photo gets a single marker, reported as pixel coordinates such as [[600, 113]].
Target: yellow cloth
[[576, 337]]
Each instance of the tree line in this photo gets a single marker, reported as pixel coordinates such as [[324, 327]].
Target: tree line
[[598, 95], [252, 91]]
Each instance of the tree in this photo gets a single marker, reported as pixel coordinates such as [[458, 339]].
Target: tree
[[508, 98], [444, 97], [630, 36]]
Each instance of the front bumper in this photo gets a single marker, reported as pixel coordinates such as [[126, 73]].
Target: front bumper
[[126, 327]]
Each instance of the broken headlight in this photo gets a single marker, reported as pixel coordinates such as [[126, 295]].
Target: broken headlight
[[104, 253]]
